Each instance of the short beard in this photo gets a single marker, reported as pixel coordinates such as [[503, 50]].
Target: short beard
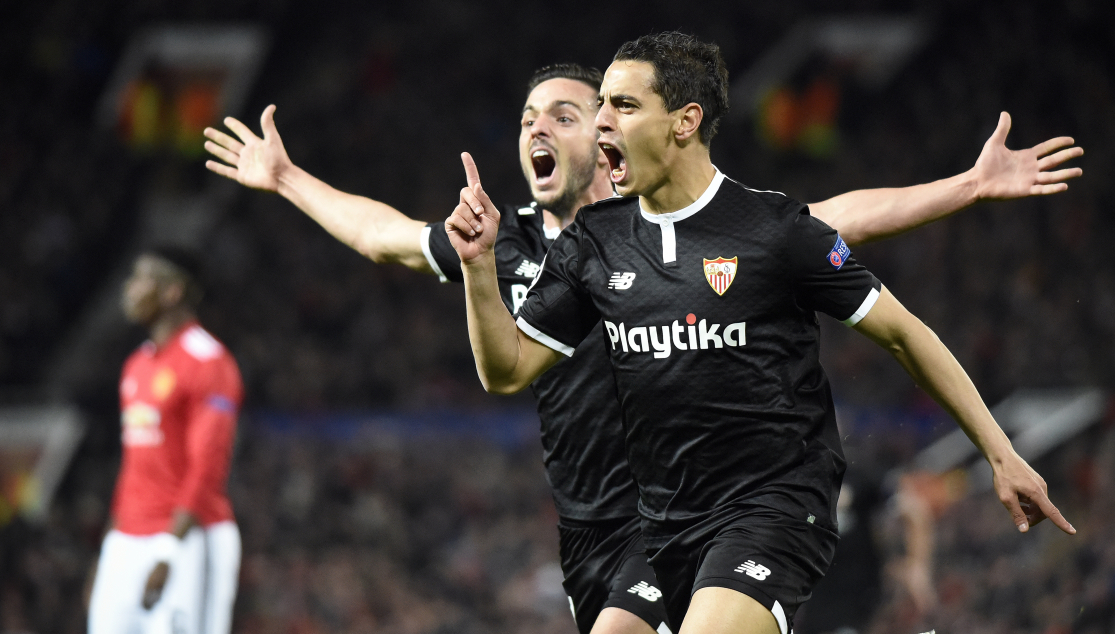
[[582, 171]]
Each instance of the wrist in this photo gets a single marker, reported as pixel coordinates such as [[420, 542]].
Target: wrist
[[482, 262], [970, 185], [288, 178], [165, 546]]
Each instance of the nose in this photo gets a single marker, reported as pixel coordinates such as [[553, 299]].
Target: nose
[[541, 128], [605, 118]]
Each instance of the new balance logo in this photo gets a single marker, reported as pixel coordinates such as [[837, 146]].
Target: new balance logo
[[646, 591], [527, 269], [754, 570], [621, 281]]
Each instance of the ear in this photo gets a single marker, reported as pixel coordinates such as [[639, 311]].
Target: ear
[[689, 119]]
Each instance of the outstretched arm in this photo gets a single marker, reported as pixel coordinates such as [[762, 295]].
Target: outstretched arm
[[937, 372], [999, 174], [376, 230], [506, 359]]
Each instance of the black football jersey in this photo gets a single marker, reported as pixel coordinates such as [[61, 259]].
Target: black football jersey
[[708, 315], [582, 430]]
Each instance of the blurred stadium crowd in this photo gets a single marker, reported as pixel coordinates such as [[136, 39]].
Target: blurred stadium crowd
[[379, 101]]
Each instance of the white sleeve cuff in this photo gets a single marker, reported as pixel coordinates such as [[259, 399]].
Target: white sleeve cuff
[[863, 309], [543, 338], [424, 240]]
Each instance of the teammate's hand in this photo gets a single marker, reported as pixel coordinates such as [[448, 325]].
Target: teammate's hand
[[155, 583], [473, 225], [1002, 174], [255, 162], [1026, 495]]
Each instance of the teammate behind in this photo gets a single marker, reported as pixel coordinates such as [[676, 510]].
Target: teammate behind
[[610, 585], [706, 292], [171, 558]]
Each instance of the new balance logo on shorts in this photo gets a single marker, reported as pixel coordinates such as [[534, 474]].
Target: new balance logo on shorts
[[646, 591], [621, 281], [754, 570]]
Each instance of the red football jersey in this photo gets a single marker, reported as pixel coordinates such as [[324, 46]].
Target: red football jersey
[[178, 406]]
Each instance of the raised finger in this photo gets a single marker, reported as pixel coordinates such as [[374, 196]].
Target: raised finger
[[1052, 513], [1059, 176], [240, 129], [472, 175], [222, 169], [223, 139], [1045, 147], [232, 158], [1053, 160]]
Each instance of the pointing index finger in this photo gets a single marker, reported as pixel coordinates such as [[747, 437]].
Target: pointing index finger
[[472, 175]]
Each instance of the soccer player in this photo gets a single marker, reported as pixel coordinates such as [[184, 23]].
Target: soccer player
[[171, 557], [609, 583], [705, 292]]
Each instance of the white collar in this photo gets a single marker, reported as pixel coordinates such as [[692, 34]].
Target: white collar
[[694, 207]]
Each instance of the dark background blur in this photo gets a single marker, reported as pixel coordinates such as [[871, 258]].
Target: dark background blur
[[350, 528]]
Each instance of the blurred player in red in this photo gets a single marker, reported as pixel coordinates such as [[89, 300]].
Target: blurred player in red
[[171, 557]]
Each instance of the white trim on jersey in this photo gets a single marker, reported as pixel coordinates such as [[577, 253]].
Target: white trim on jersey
[[666, 221], [543, 338], [863, 309], [780, 616], [551, 233], [664, 629], [424, 240]]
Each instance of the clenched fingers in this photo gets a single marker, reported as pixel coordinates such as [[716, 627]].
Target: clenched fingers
[[475, 210], [462, 220]]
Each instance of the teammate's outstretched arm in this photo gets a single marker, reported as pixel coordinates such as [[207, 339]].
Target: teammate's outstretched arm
[[999, 174], [1021, 490], [506, 359], [376, 230]]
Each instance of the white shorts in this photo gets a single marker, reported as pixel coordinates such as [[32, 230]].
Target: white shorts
[[198, 595]]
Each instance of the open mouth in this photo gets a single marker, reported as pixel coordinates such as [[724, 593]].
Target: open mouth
[[615, 161], [544, 164]]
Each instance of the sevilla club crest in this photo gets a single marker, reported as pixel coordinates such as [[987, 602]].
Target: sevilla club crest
[[720, 273]]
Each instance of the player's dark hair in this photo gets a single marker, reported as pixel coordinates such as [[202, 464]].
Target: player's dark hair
[[187, 263], [584, 74], [686, 70]]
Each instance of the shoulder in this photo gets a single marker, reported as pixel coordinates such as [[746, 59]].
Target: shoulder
[[605, 213]]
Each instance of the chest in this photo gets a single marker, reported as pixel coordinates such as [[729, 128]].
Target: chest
[[699, 268]]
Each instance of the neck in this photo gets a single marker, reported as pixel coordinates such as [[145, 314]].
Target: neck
[[599, 189], [169, 323], [688, 174]]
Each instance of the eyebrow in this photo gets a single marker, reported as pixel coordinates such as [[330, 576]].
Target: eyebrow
[[556, 104]]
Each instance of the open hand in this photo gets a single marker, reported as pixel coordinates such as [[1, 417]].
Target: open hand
[[1025, 495], [1004, 174], [255, 162], [153, 591], [473, 225]]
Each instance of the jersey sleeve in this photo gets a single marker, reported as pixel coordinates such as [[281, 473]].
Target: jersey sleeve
[[214, 405], [558, 312], [440, 253], [826, 276]]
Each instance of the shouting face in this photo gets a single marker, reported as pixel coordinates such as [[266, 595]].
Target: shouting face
[[636, 132], [557, 143]]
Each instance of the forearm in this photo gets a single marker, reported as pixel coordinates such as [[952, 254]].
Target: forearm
[[934, 368], [182, 521], [491, 329], [376, 230], [866, 215]]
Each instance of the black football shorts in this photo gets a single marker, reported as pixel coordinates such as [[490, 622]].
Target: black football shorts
[[605, 566], [763, 553]]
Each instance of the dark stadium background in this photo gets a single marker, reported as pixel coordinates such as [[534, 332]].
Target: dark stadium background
[[378, 488]]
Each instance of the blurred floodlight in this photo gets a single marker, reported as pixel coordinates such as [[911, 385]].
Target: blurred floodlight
[[36, 445], [172, 81], [872, 48]]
